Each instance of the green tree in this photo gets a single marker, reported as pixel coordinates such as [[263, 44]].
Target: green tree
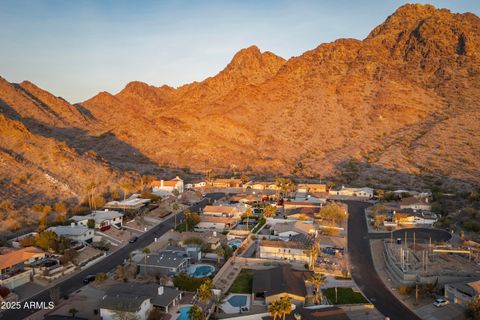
[[73, 312], [473, 309], [101, 277], [286, 306], [333, 212], [275, 309], [220, 253], [317, 280], [91, 223], [205, 291], [269, 211], [195, 313], [248, 214], [124, 315]]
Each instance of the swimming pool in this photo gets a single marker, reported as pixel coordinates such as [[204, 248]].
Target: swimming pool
[[235, 244], [183, 312], [238, 301], [200, 270]]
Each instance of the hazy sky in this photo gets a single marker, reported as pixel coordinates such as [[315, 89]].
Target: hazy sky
[[75, 49]]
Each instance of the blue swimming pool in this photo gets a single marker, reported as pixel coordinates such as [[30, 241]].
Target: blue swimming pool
[[235, 244], [183, 312], [238, 301], [201, 270]]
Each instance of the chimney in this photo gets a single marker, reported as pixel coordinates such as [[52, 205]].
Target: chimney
[[72, 224], [214, 233], [160, 290]]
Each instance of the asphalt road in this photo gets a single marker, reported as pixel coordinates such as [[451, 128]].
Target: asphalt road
[[363, 270], [75, 282]]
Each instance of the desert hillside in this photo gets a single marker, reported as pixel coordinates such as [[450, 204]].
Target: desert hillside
[[398, 108]]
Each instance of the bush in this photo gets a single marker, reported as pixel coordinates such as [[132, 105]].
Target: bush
[[471, 225], [187, 283], [101, 277]]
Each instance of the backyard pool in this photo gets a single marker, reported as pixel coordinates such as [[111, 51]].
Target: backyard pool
[[235, 244], [183, 312], [200, 270], [235, 303]]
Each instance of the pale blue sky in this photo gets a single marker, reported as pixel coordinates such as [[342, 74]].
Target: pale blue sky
[[75, 49]]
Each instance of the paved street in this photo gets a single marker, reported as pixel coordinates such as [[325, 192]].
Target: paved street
[[73, 283], [363, 270]]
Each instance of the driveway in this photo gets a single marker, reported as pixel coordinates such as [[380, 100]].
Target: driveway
[[363, 270]]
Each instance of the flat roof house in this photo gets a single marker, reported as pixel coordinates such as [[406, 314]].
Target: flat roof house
[[295, 249], [272, 284], [415, 204], [219, 211], [215, 223], [102, 219], [163, 263], [137, 300], [74, 232]]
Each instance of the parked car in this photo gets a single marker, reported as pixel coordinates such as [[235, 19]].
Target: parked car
[[89, 278], [133, 239], [440, 302]]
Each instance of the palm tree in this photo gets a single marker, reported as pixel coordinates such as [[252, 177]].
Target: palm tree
[[317, 280], [175, 208], [145, 252], [195, 313], [218, 301], [205, 291], [220, 252], [248, 214], [269, 211], [275, 309], [286, 306], [73, 312], [125, 188], [312, 253]]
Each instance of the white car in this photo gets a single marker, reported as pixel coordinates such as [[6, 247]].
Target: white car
[[440, 302]]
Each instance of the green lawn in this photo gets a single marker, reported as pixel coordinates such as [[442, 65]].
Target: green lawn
[[345, 296], [243, 282]]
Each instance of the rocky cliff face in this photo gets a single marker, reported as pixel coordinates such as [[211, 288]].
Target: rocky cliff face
[[397, 108]]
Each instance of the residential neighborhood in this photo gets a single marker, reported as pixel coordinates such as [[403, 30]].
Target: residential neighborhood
[[243, 251]]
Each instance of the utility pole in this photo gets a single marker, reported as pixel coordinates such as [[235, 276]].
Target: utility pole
[[414, 242]]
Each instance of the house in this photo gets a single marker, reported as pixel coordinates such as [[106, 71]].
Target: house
[[134, 202], [136, 300], [166, 263], [215, 223], [12, 266], [295, 249], [414, 217], [272, 284], [196, 184], [74, 232], [364, 192], [219, 211], [103, 219], [302, 204], [286, 229], [462, 292], [166, 187], [227, 183], [415, 204], [312, 187], [193, 252], [302, 213]]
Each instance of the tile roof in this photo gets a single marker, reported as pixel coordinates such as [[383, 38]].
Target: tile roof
[[19, 256]]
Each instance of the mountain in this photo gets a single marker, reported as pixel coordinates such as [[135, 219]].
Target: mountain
[[396, 109]]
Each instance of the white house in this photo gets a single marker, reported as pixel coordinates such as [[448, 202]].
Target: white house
[[364, 192], [292, 250], [285, 229], [165, 187], [415, 204], [196, 184], [74, 232], [102, 219], [413, 217], [215, 223]]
